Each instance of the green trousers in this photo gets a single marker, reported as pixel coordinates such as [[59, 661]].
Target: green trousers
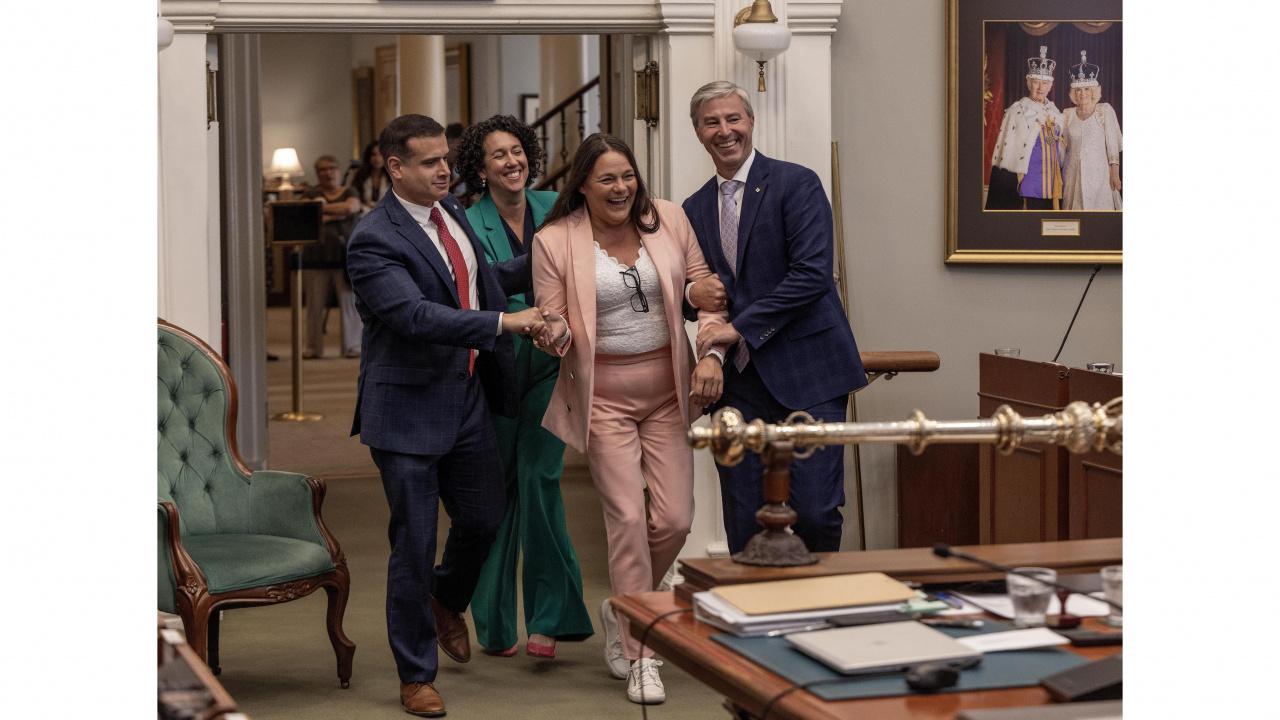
[[533, 460]]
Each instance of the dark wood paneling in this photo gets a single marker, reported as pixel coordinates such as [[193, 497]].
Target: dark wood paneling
[[1023, 496], [1095, 479], [938, 496]]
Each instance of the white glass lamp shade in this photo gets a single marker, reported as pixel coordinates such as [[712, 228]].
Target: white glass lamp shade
[[761, 42], [284, 161], [164, 33]]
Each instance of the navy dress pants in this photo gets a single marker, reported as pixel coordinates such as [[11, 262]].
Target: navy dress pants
[[468, 479], [817, 482]]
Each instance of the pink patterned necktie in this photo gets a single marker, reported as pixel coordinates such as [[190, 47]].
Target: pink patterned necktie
[[459, 272], [729, 243]]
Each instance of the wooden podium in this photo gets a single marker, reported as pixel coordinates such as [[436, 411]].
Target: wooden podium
[[1029, 496], [1094, 487]]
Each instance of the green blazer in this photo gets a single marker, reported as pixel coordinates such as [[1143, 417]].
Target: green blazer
[[484, 218]]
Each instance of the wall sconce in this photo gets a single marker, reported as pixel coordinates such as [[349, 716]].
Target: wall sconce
[[758, 35], [284, 162], [164, 33]]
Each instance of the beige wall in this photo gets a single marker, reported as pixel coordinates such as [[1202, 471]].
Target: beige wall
[[306, 96], [888, 117]]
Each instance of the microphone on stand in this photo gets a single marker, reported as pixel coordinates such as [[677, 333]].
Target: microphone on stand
[[1096, 268], [944, 550]]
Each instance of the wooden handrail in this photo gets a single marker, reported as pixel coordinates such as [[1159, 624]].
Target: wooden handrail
[[565, 103], [550, 180], [897, 361]]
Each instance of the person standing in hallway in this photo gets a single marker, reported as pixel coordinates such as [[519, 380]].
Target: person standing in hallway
[[437, 359], [610, 267], [765, 228], [500, 156], [324, 264], [371, 180]]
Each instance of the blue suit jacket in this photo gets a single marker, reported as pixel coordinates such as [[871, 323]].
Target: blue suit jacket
[[414, 349], [784, 300]]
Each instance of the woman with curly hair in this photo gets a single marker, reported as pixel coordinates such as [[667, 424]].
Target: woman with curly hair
[[499, 157]]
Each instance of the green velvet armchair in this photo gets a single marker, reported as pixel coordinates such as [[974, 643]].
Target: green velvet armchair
[[230, 537]]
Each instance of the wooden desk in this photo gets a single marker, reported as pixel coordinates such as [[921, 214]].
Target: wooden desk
[[918, 564], [685, 642]]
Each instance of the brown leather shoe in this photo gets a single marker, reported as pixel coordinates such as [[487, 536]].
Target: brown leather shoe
[[421, 699], [451, 632]]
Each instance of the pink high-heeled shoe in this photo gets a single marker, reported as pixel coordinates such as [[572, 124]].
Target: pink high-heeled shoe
[[502, 653], [540, 651]]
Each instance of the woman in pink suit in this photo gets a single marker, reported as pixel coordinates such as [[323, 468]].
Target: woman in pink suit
[[610, 265]]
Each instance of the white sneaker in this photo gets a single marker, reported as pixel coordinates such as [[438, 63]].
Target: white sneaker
[[643, 684], [618, 665]]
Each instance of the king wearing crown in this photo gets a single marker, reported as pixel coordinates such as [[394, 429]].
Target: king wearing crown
[[1026, 166]]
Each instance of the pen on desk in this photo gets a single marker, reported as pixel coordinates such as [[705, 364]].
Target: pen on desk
[[950, 601], [967, 623], [806, 628]]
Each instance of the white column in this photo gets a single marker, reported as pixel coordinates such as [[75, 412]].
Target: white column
[[793, 122], [805, 77], [422, 84], [189, 271], [686, 55]]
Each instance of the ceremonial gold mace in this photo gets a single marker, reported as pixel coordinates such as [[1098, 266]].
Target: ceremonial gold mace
[[1079, 427]]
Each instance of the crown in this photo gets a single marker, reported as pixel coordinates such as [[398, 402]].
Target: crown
[[1041, 67], [1085, 74]]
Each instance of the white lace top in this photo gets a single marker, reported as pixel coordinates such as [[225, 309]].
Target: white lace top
[[620, 329]]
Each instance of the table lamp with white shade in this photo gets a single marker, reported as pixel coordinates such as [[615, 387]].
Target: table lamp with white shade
[[758, 35], [284, 162]]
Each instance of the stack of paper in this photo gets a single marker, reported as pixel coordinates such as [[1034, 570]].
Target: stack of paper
[[792, 605]]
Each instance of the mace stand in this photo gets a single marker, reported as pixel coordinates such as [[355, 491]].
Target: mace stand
[[1079, 427]]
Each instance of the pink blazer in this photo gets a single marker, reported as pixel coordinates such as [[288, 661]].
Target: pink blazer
[[564, 281]]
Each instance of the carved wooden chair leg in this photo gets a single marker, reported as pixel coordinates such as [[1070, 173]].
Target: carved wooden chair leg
[[195, 623], [215, 619], [342, 645]]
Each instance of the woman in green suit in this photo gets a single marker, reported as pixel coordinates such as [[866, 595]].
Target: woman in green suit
[[499, 157]]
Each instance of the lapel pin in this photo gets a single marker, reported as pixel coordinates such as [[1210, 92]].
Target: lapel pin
[[757, 189]]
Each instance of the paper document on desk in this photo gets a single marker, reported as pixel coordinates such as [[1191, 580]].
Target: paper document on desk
[[714, 610], [815, 593], [1002, 605], [1024, 639]]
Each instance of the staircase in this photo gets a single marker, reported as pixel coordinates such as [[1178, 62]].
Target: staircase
[[546, 124]]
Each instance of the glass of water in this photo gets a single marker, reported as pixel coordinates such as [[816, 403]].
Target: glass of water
[[1009, 352], [1113, 586], [1030, 596]]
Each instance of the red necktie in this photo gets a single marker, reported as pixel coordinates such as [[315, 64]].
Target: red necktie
[[459, 272]]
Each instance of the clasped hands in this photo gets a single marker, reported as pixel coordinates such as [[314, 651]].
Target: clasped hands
[[529, 321]]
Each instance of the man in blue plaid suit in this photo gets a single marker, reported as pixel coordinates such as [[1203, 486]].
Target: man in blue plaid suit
[[435, 360], [765, 229]]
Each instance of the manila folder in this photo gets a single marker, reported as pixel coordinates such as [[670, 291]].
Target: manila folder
[[816, 593]]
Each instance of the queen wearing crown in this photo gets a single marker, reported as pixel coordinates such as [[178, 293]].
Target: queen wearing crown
[[1092, 159], [1026, 166]]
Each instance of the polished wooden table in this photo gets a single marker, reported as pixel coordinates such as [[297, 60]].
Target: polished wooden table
[[686, 643], [916, 564]]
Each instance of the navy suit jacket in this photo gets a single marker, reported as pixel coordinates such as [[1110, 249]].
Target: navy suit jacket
[[416, 338], [783, 300]]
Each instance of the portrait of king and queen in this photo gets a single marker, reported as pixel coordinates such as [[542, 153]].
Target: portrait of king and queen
[[1051, 116]]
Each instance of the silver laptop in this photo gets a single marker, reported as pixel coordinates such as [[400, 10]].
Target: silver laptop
[[881, 647]]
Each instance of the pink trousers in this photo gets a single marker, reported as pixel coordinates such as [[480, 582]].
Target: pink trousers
[[637, 438]]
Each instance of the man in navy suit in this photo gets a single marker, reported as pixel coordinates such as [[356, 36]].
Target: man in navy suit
[[434, 362], [764, 226]]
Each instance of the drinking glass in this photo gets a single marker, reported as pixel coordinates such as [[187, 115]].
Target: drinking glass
[[1030, 596], [1113, 586], [1107, 368], [1009, 352]]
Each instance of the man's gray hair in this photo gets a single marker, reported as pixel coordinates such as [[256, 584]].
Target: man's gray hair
[[714, 90]]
